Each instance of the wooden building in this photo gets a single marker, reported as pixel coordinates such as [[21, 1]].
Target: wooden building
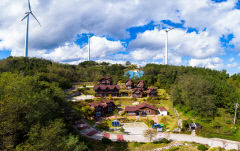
[[129, 84], [152, 92], [105, 81], [138, 93], [105, 88], [141, 110], [141, 84], [104, 108]]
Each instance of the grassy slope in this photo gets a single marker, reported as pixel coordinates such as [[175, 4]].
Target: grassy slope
[[219, 127]]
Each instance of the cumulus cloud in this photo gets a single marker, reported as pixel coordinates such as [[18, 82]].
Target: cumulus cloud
[[63, 20], [180, 43], [100, 48], [212, 63], [231, 65]]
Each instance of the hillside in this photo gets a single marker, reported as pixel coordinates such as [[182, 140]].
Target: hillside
[[32, 90]]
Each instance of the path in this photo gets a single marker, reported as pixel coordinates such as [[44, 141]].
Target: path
[[155, 118], [137, 136], [85, 129]]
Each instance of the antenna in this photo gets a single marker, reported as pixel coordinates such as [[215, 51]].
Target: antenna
[[166, 45], [27, 16]]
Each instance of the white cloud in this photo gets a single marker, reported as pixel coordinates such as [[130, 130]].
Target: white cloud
[[212, 63], [100, 48], [231, 65], [181, 43], [63, 20], [231, 59]]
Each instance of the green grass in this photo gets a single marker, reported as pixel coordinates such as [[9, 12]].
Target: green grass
[[209, 129]]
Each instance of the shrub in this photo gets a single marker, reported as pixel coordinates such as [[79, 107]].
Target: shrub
[[228, 122], [202, 148], [164, 140], [173, 149], [103, 126], [152, 122], [106, 140], [122, 130], [216, 125]]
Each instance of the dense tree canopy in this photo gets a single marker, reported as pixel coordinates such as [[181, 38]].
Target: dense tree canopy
[[32, 96], [27, 102]]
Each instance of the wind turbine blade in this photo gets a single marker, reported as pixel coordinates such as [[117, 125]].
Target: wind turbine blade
[[25, 17], [29, 6], [35, 18]]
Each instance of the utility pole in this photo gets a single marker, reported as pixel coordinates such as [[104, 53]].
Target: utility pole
[[236, 107]]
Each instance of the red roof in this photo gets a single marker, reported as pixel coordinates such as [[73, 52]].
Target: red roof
[[138, 107], [104, 87], [162, 109], [151, 89], [137, 89]]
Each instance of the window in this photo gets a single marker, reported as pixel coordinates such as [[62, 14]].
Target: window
[[109, 109], [98, 113], [148, 111]]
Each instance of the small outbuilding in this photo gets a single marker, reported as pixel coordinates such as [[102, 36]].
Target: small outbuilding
[[163, 111], [194, 126]]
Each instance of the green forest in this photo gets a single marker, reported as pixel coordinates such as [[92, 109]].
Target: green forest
[[33, 103]]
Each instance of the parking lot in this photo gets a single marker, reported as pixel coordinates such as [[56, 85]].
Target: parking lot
[[136, 128]]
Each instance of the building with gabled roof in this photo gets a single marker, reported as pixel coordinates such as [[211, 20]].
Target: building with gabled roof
[[152, 92], [105, 81], [141, 110], [163, 111], [105, 88], [138, 93], [129, 84], [141, 84], [103, 108]]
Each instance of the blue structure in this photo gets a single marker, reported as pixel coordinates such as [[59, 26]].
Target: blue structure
[[159, 127], [116, 123], [134, 73]]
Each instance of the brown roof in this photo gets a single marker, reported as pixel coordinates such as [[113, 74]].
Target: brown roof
[[151, 89], [137, 89], [162, 109], [138, 107], [130, 80], [141, 81], [105, 78], [104, 87]]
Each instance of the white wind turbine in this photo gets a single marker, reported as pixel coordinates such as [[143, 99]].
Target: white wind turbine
[[27, 16], [166, 45], [89, 48]]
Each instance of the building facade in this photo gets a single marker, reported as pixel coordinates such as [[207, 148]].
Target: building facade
[[105, 88], [152, 92], [102, 109], [143, 109], [129, 84]]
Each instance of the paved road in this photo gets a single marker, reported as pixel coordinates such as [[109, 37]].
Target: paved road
[[138, 137]]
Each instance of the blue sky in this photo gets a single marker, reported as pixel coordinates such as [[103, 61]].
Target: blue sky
[[206, 32]]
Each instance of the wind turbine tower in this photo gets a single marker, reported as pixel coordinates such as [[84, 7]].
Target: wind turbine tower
[[89, 47], [166, 46], [27, 16]]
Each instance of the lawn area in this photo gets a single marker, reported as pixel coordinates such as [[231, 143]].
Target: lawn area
[[219, 127], [124, 146], [170, 122]]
